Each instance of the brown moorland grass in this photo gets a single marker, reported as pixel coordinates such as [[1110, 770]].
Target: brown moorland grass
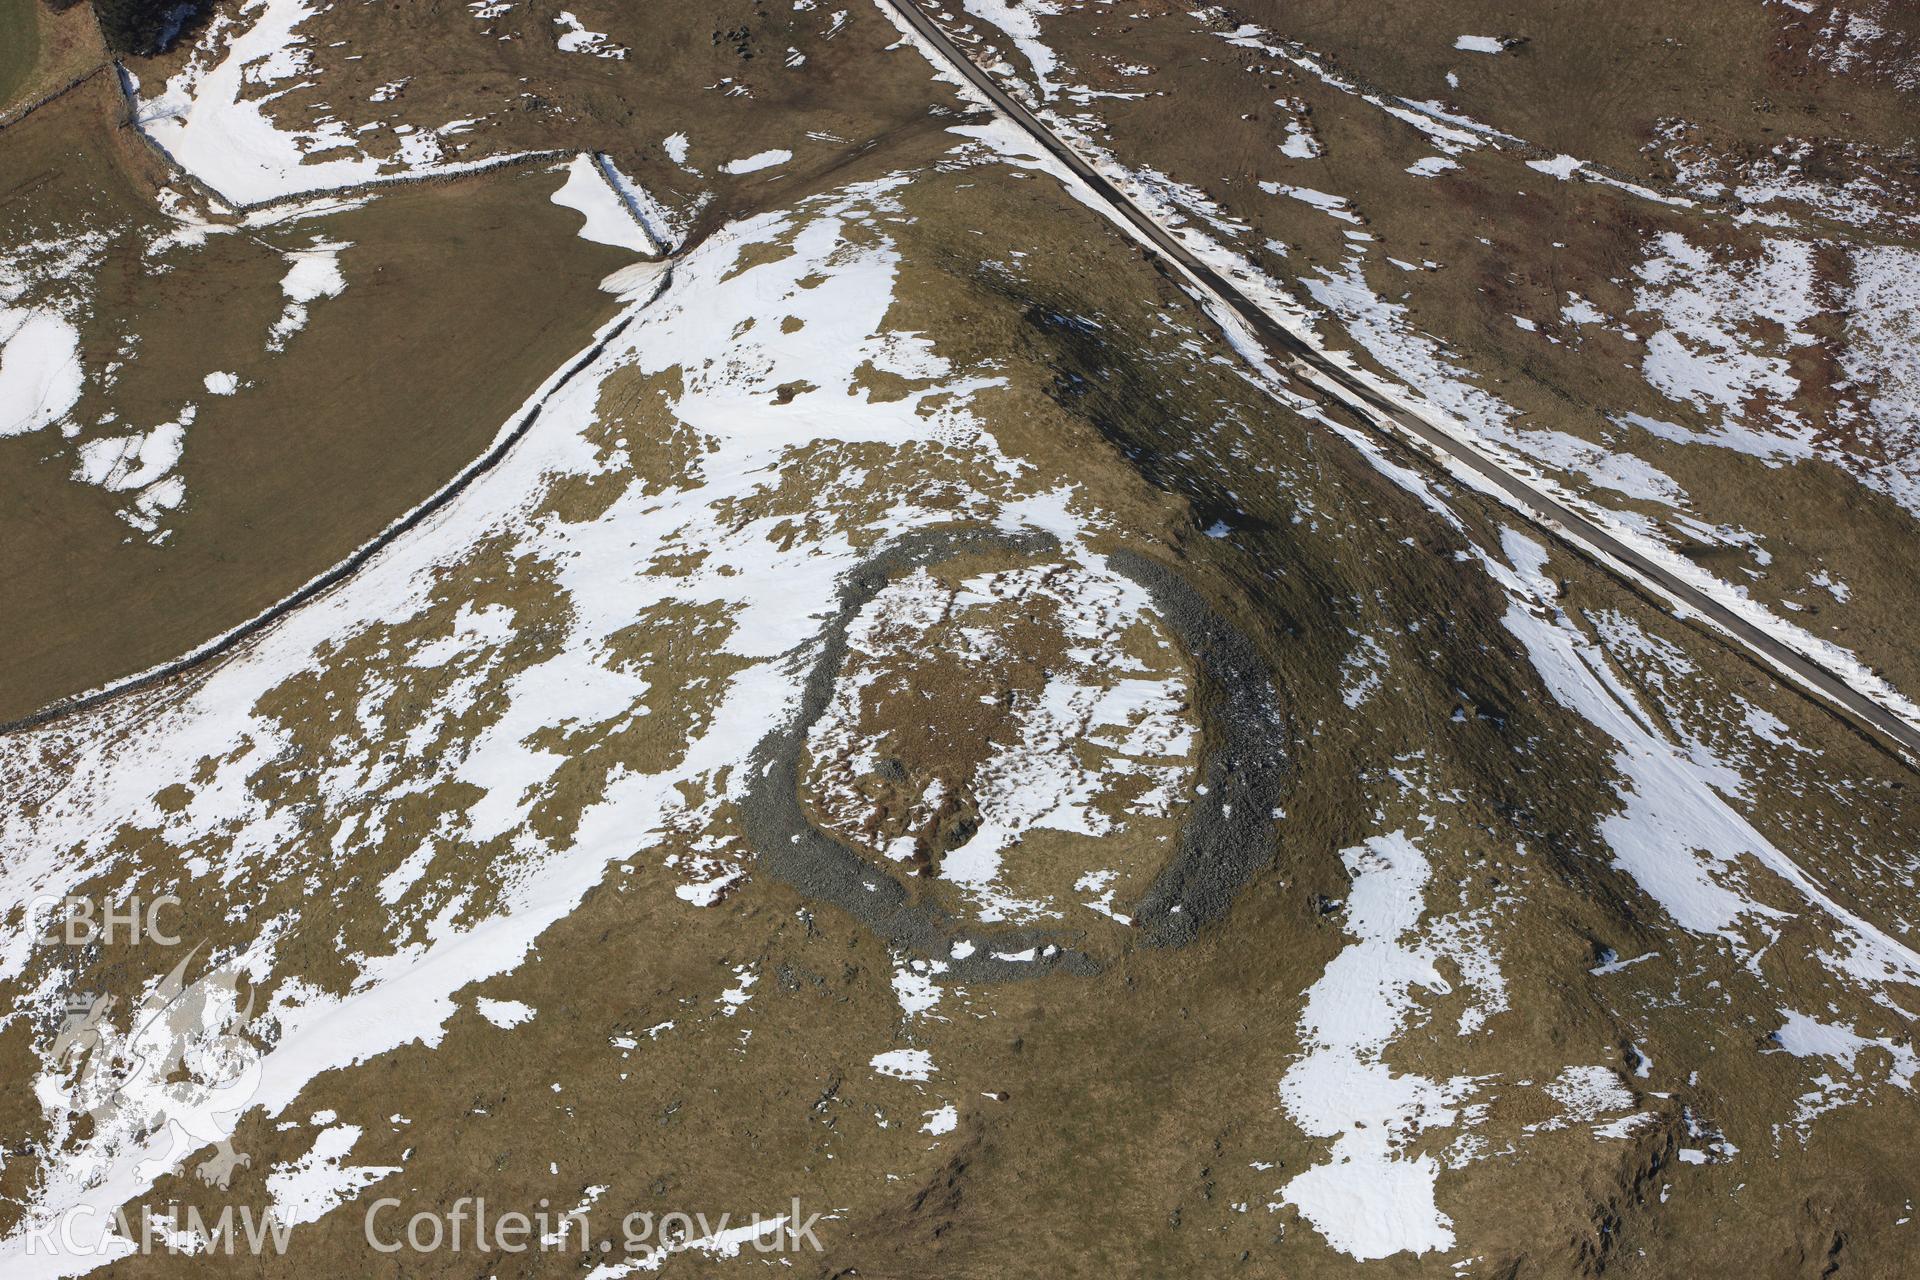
[[461, 299], [42, 51]]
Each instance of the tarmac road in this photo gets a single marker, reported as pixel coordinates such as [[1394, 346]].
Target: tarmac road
[[1324, 376]]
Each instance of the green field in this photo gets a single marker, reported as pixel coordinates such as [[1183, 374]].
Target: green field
[[19, 46]]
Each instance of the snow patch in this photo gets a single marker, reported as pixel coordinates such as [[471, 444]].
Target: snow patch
[[317, 1183], [503, 1013], [608, 219], [905, 1064], [1368, 1200], [757, 162], [40, 375]]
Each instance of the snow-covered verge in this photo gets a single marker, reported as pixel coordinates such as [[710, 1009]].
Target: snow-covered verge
[[1729, 324], [1687, 847], [1701, 358], [1421, 381]]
